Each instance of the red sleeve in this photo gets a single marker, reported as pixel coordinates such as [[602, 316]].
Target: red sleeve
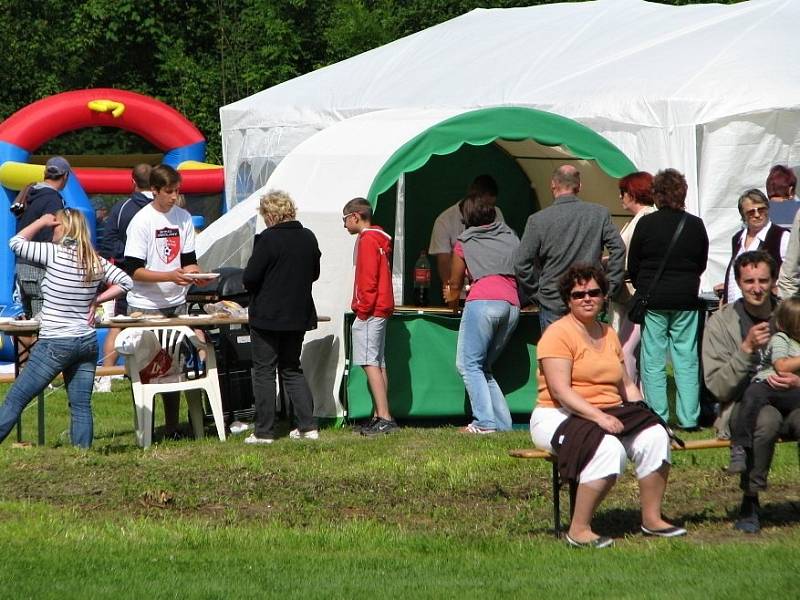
[[368, 263]]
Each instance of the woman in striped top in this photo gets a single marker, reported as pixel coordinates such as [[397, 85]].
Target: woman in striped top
[[67, 340]]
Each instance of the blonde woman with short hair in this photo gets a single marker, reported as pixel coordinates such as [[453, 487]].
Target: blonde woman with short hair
[[278, 276]]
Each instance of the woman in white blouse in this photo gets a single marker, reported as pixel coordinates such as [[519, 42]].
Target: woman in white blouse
[[758, 233], [636, 195]]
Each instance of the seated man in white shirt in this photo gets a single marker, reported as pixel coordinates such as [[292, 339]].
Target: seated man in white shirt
[[449, 225]]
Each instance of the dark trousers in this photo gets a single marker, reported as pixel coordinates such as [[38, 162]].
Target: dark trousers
[[757, 396], [770, 425], [279, 350]]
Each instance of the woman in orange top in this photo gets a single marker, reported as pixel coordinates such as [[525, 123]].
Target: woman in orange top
[[582, 373]]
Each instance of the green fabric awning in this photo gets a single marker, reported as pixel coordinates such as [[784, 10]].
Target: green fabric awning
[[484, 126]]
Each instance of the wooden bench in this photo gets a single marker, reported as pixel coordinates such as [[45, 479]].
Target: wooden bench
[[9, 378], [557, 483], [101, 372]]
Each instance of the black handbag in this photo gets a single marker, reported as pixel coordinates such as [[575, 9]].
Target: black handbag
[[640, 302]]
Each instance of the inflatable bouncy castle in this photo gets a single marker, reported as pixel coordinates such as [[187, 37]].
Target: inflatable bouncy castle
[[28, 129]]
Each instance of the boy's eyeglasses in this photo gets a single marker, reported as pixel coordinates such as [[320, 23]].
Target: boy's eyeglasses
[[592, 293], [347, 216]]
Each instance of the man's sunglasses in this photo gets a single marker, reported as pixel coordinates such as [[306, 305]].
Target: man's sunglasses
[[592, 293]]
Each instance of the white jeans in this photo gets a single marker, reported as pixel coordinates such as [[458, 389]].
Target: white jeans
[[648, 449]]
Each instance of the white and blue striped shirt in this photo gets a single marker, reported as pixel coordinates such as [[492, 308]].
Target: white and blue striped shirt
[[67, 297]]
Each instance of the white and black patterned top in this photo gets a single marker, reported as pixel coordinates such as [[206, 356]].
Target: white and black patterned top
[[67, 297]]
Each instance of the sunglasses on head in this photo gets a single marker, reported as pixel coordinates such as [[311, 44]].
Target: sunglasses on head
[[592, 293]]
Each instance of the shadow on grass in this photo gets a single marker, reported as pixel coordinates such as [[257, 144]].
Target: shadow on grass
[[617, 522]]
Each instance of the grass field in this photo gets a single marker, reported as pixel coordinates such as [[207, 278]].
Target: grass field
[[425, 513]]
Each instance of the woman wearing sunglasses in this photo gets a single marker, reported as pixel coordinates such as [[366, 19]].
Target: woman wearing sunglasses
[[758, 233], [67, 339], [583, 384]]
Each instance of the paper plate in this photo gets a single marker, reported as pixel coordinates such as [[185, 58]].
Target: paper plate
[[201, 275]]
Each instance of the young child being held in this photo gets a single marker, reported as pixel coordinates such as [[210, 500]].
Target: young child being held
[[782, 356]]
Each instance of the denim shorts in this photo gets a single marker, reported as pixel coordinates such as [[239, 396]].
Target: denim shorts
[[369, 340]]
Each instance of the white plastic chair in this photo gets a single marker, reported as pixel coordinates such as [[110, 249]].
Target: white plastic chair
[[144, 394]]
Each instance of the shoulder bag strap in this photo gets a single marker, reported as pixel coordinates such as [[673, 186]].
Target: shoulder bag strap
[[666, 255]]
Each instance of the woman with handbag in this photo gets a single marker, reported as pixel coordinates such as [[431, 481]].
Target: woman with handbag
[[667, 255], [636, 196]]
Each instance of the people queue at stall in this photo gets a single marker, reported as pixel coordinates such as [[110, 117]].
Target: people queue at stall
[[591, 410]]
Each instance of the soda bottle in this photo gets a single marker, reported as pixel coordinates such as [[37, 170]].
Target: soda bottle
[[422, 279]]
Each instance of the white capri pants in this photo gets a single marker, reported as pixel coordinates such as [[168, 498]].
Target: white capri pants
[[648, 449]]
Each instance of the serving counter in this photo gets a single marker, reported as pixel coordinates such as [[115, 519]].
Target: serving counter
[[421, 363]]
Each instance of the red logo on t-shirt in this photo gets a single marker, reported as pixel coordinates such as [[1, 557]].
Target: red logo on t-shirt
[[168, 244]]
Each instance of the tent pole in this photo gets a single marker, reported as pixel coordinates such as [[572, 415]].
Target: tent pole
[[398, 264]]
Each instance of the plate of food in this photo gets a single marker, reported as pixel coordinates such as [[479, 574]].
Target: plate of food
[[124, 319], [201, 276], [154, 318]]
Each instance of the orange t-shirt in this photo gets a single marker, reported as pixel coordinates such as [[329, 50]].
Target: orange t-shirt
[[596, 374]]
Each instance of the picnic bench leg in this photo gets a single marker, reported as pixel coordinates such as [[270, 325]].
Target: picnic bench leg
[[40, 418], [556, 501], [573, 494]]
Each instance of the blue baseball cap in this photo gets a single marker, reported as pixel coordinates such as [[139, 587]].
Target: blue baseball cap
[[56, 167]]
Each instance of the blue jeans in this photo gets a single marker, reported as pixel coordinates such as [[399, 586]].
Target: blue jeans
[[77, 359], [486, 327], [547, 317]]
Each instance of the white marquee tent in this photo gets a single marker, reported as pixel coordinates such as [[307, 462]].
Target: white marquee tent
[[708, 89]]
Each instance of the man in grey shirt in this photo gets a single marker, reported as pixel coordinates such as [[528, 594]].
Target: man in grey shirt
[[567, 232]]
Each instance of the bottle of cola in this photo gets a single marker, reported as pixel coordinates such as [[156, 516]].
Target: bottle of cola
[[422, 279]]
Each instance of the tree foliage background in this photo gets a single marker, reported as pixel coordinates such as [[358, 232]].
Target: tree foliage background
[[195, 55]]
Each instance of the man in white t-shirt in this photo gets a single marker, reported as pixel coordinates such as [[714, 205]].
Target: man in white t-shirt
[[449, 224], [159, 252]]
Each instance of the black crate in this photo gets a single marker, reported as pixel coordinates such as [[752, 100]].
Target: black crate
[[238, 403], [232, 348]]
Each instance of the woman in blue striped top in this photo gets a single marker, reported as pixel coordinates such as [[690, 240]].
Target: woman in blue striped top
[[67, 340]]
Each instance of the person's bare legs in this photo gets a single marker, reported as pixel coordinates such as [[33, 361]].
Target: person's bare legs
[[378, 382], [651, 495], [587, 499], [109, 352]]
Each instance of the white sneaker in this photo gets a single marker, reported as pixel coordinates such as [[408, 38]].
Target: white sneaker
[[240, 427], [296, 434], [252, 439], [102, 385]]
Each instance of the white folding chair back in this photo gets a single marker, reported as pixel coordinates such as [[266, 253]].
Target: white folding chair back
[[144, 394]]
